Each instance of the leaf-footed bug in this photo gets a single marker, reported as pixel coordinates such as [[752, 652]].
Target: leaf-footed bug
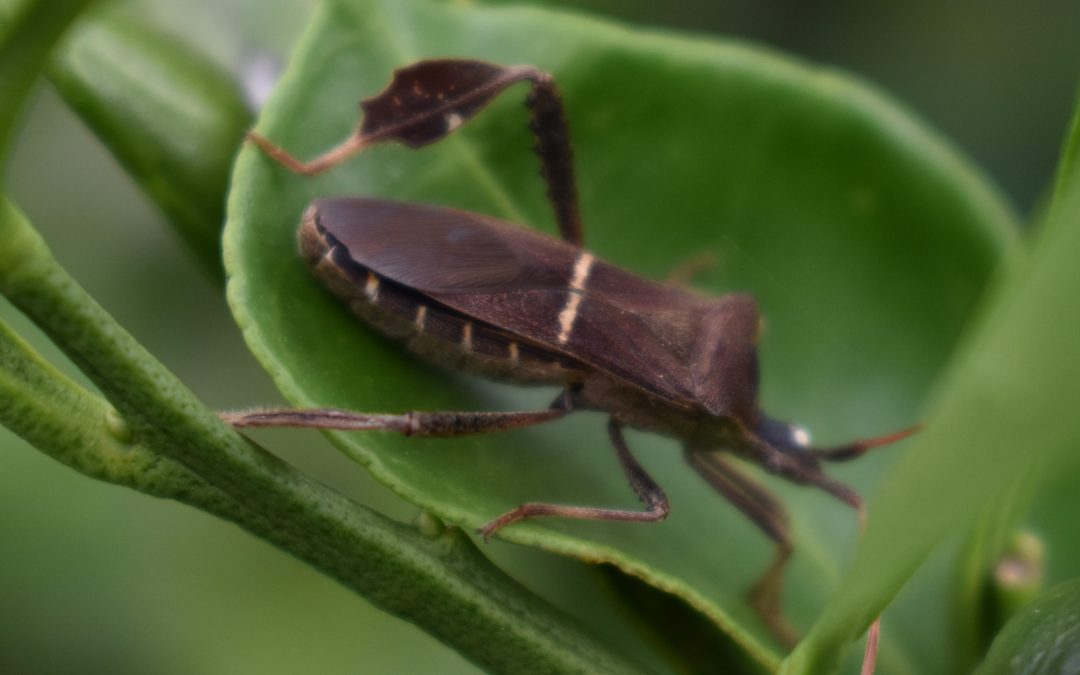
[[503, 301]]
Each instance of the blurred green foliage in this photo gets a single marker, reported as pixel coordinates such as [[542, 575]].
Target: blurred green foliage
[[1043, 638], [997, 77]]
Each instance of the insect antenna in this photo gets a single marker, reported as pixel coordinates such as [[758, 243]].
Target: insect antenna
[[855, 449]]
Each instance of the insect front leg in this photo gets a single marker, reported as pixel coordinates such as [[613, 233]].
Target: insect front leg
[[765, 511], [430, 99], [647, 490]]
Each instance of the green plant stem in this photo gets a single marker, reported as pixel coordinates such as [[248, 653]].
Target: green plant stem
[[80, 429], [442, 583], [26, 39]]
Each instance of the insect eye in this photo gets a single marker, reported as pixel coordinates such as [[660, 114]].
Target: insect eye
[[782, 435]]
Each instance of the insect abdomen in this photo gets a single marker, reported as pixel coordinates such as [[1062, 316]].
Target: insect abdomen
[[427, 328]]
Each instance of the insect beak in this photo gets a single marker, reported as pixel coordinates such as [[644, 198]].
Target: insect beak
[[801, 462], [802, 466]]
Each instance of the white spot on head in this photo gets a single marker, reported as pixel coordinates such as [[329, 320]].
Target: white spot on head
[[800, 436]]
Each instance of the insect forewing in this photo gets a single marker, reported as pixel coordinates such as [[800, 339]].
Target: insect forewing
[[527, 283]]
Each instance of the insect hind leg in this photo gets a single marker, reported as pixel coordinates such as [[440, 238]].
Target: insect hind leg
[[431, 99], [765, 511]]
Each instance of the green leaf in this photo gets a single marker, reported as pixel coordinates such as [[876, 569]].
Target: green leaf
[[865, 238], [981, 605], [172, 117], [1004, 415], [1044, 639]]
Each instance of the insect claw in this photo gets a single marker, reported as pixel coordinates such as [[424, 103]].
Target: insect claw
[[493, 526], [487, 531]]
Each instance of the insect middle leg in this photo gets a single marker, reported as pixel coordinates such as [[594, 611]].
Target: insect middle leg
[[765, 511], [647, 490], [441, 423]]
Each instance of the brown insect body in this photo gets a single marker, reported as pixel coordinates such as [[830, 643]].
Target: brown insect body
[[499, 300]]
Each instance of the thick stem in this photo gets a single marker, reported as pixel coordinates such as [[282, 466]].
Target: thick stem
[[441, 582]]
